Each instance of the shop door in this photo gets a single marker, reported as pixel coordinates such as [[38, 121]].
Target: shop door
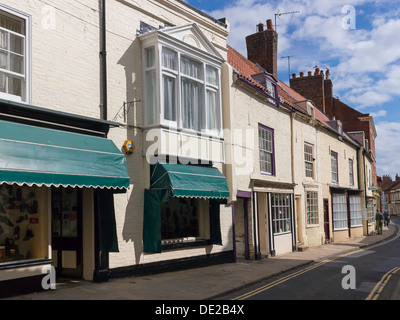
[[66, 204], [326, 220]]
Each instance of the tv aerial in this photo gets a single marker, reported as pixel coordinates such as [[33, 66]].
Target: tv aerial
[[278, 14]]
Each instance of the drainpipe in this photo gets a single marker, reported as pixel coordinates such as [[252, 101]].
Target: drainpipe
[[103, 55], [233, 232], [101, 272], [365, 189]]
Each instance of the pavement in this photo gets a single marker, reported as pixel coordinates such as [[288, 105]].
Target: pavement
[[203, 283]]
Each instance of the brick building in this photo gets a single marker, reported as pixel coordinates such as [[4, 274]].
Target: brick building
[[318, 87]]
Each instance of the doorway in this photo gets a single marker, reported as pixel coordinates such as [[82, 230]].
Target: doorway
[[326, 220], [66, 240]]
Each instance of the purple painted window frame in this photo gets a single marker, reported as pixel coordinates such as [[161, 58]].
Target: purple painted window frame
[[273, 150]]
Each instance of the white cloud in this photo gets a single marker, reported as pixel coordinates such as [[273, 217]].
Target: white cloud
[[380, 113], [364, 63], [387, 147]]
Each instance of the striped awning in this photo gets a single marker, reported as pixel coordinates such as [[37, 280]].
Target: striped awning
[[40, 156], [189, 181]]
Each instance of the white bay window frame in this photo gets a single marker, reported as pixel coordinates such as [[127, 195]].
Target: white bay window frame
[[209, 89]]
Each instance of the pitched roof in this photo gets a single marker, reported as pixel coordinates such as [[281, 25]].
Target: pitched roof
[[246, 69]]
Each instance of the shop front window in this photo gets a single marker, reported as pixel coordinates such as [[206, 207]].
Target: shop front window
[[20, 229], [281, 213], [181, 220]]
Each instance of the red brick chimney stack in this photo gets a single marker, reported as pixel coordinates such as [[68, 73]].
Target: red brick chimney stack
[[262, 48]]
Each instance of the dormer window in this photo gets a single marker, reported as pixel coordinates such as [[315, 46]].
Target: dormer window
[[270, 88], [268, 82], [181, 84]]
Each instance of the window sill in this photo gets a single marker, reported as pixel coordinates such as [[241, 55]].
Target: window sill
[[282, 233], [340, 229], [212, 134], [24, 263], [190, 242]]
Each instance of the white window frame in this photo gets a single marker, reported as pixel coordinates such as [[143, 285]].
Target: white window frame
[[309, 160], [339, 211], [26, 96], [312, 208], [281, 207], [335, 166], [351, 172], [355, 211], [204, 60], [264, 150], [370, 211]]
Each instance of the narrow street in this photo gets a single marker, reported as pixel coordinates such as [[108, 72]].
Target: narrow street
[[375, 271]]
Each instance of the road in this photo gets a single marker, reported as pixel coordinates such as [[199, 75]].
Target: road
[[372, 273]]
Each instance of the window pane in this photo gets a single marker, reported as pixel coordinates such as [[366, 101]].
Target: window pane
[[151, 98], [191, 93], [212, 76], [3, 39], [266, 149], [355, 211], [334, 167], [308, 159], [3, 82], [312, 207], [16, 63], [339, 211], [169, 59], [150, 57], [15, 86], [271, 89], [169, 98], [212, 112], [191, 68], [12, 23], [280, 213], [180, 218], [16, 44], [3, 59], [351, 177]]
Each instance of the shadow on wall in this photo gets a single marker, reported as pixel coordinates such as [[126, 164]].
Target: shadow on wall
[[132, 231]]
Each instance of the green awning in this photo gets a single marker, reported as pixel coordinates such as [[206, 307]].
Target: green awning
[[34, 155], [189, 181]]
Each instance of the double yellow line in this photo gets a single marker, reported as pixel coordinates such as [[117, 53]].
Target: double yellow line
[[379, 286], [374, 295], [279, 281]]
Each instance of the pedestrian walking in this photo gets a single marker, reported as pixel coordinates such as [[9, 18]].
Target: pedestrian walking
[[387, 218], [378, 222]]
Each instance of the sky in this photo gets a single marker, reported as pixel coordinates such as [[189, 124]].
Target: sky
[[358, 40]]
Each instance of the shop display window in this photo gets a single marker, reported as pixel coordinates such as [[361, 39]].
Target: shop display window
[[19, 223], [281, 213], [181, 220]]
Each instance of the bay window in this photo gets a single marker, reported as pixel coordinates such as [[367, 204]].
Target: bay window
[[181, 90]]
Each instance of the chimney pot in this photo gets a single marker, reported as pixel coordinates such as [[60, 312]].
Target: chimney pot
[[301, 74], [293, 75], [316, 73], [260, 27], [270, 25], [309, 73]]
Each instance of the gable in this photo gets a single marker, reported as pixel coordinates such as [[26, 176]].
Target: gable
[[191, 35]]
